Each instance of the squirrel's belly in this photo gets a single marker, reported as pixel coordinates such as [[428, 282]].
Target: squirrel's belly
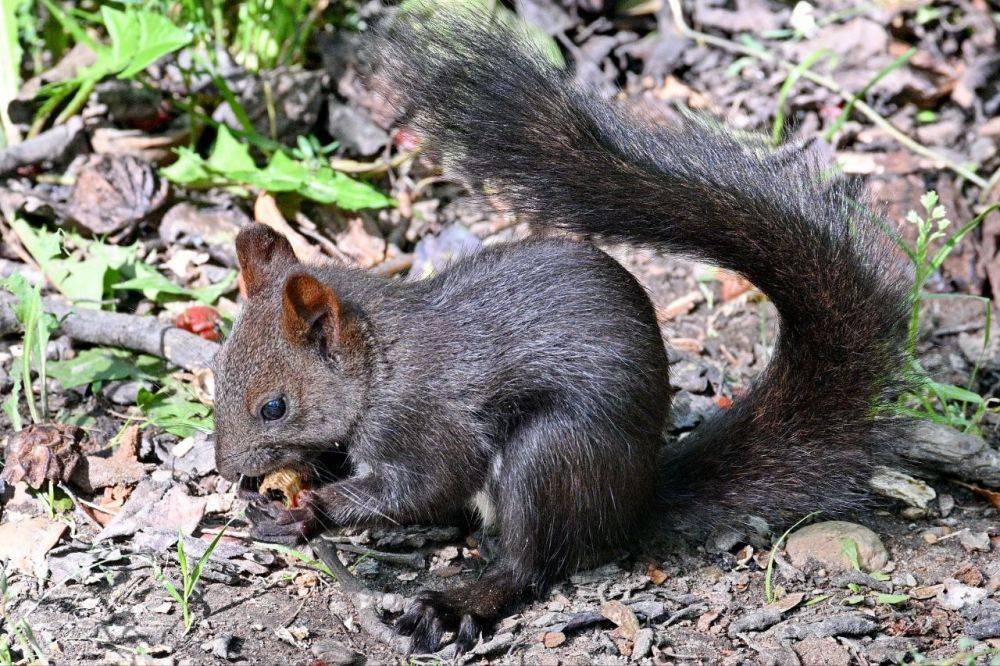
[[482, 502]]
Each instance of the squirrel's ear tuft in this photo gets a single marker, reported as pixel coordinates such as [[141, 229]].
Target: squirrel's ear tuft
[[307, 302], [264, 254]]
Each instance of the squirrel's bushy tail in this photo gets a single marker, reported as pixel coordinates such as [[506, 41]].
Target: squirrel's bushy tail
[[805, 435]]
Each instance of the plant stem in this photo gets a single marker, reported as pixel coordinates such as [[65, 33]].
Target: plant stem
[[829, 84]]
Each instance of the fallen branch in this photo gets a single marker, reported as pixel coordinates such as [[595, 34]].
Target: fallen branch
[[141, 333], [831, 85]]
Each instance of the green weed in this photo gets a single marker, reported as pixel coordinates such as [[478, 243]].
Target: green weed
[[230, 164], [37, 325], [189, 576], [932, 400], [769, 572]]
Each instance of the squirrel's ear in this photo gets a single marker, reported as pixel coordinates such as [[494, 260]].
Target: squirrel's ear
[[306, 303], [264, 254]]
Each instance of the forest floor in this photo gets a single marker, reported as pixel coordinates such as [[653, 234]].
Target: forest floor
[[88, 562]]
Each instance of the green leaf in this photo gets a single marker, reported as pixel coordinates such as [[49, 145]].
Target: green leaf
[[99, 364], [173, 412], [189, 169], [10, 68], [850, 549], [229, 155], [817, 599], [892, 599], [10, 405], [952, 392], [173, 591], [854, 600], [880, 575], [155, 285], [83, 281]]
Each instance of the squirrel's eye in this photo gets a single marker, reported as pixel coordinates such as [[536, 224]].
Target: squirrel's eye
[[272, 410]]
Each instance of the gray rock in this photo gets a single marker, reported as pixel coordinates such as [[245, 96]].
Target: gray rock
[[220, 646], [124, 392], [956, 596], [354, 129], [642, 644], [850, 624], [823, 543], [757, 621], [975, 541]]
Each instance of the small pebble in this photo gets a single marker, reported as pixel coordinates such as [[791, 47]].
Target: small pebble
[[642, 644], [975, 542]]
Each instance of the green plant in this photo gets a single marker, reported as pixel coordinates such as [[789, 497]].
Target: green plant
[[10, 66], [269, 33], [138, 39], [769, 572], [189, 576], [793, 76], [937, 401], [37, 325], [319, 565], [230, 164], [879, 75], [91, 276]]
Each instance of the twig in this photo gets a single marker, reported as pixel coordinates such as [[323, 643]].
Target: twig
[[392, 266], [142, 333], [413, 560], [829, 84]]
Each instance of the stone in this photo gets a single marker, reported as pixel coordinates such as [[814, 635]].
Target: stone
[[822, 651], [642, 644], [822, 542], [975, 541], [956, 596]]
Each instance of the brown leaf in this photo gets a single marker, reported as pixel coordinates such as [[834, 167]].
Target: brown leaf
[[679, 306], [551, 639], [991, 496], [42, 452], [25, 543], [733, 285], [657, 576], [115, 192], [623, 616]]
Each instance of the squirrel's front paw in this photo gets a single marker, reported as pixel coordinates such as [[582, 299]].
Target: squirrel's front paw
[[274, 522]]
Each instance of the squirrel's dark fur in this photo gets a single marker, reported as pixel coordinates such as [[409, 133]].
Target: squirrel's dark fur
[[533, 374]]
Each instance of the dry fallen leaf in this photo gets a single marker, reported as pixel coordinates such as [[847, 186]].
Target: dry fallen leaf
[[24, 543], [657, 576], [551, 639], [679, 306], [991, 496], [623, 616]]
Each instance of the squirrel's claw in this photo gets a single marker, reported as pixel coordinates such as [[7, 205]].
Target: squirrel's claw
[[273, 522], [430, 615]]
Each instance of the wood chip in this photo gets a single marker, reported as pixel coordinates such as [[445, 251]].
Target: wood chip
[[623, 616]]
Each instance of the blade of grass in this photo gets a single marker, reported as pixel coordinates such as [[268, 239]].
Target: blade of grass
[[849, 106], [786, 89], [769, 573]]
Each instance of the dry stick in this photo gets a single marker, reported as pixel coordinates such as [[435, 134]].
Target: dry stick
[[141, 333], [830, 84]]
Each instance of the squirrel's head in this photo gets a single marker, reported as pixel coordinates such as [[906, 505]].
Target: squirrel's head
[[291, 378]]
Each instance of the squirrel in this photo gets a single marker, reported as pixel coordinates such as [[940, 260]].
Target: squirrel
[[531, 378]]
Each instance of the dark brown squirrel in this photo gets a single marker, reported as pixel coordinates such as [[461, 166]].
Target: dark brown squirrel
[[531, 378]]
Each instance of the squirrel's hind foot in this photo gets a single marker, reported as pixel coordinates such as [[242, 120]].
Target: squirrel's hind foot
[[469, 611]]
